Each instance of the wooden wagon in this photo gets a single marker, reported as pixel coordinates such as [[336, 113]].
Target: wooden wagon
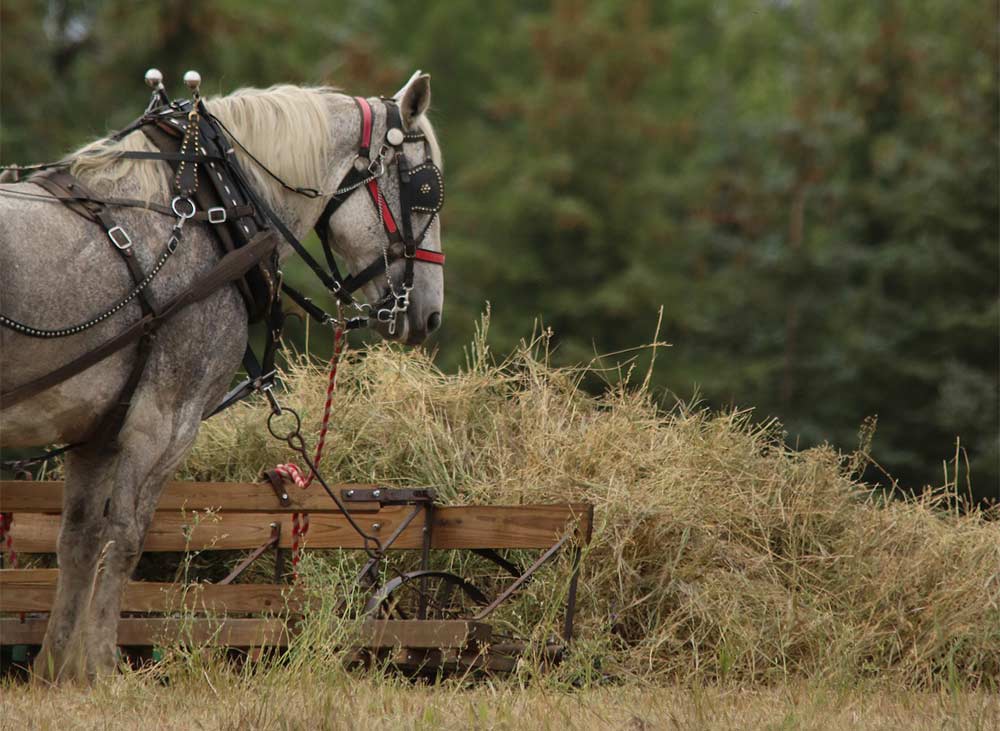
[[422, 620]]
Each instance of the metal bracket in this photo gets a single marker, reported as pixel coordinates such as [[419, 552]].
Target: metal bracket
[[278, 485], [274, 540], [388, 495]]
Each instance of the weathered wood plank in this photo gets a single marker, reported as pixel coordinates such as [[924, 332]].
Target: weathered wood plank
[[154, 631], [231, 497], [176, 531], [508, 526], [375, 634], [444, 633], [455, 527], [33, 590]]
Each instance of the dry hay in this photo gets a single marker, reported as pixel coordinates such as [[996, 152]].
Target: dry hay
[[718, 553]]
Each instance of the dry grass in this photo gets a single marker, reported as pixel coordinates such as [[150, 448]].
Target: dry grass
[[719, 555], [311, 700]]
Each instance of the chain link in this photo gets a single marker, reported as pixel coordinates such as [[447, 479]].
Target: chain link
[[176, 234]]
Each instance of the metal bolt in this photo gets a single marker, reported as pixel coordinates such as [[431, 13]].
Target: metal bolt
[[350, 493], [376, 527], [376, 493]]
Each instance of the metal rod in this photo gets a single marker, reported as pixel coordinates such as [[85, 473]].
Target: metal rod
[[571, 599], [257, 552], [490, 554], [425, 559], [300, 447], [392, 539], [520, 580], [279, 558]]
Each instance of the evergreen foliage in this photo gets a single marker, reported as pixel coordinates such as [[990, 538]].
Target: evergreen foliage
[[809, 190]]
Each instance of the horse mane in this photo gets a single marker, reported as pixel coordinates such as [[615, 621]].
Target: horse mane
[[257, 117], [263, 120]]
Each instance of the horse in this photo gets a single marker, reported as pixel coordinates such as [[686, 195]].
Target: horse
[[58, 268]]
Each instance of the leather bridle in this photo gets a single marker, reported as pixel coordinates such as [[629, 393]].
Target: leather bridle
[[421, 189]]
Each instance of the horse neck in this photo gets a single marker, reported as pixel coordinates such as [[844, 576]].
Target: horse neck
[[298, 212]]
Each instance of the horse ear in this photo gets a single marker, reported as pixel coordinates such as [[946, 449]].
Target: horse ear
[[415, 97]]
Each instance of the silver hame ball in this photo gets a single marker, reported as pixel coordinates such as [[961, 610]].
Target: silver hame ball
[[192, 79], [154, 78]]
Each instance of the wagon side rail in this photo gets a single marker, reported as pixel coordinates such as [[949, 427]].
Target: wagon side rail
[[250, 516]]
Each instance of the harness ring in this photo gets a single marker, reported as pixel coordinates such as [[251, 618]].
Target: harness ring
[[183, 199], [284, 437]]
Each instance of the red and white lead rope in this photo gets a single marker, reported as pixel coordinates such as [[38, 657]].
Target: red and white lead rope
[[293, 473]]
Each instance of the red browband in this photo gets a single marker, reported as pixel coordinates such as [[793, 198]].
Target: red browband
[[366, 122]]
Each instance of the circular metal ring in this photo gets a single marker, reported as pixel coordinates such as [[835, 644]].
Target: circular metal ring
[[291, 432], [183, 199]]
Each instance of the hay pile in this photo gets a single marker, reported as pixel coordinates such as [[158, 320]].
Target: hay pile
[[718, 554]]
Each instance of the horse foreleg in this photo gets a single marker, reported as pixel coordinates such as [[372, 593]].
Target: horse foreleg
[[152, 446], [89, 477]]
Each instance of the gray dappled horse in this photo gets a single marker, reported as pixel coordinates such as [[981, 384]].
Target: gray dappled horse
[[57, 268]]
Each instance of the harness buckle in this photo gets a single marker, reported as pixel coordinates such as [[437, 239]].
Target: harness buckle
[[217, 215], [126, 241], [385, 315]]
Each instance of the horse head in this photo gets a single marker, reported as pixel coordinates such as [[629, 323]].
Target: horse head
[[382, 220]]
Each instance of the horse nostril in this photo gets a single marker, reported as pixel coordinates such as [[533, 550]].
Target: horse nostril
[[433, 322]]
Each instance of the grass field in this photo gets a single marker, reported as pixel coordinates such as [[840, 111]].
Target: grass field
[[310, 700]]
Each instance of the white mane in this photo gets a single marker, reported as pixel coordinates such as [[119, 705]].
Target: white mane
[[286, 127]]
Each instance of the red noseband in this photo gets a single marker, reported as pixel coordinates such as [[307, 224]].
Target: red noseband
[[432, 257]]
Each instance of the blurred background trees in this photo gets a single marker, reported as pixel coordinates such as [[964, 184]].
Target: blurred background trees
[[808, 189]]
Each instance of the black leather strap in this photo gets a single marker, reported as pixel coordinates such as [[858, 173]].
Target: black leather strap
[[61, 184], [230, 268]]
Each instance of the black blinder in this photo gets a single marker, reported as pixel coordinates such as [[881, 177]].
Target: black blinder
[[426, 188]]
